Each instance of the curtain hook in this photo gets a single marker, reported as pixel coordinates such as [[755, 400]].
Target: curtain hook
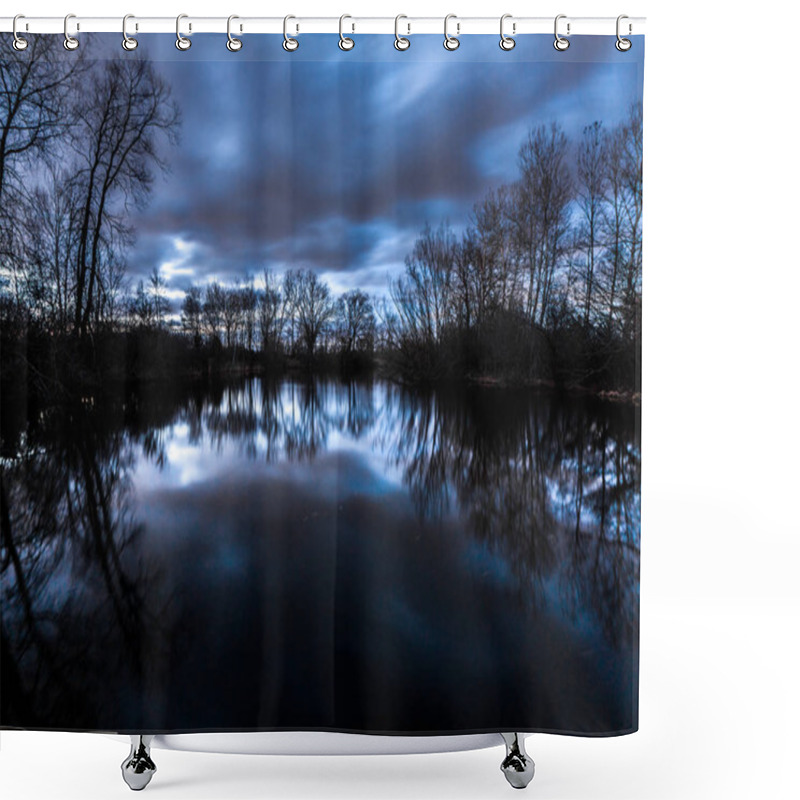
[[181, 42], [290, 44], [345, 42], [622, 44], [400, 42], [70, 42], [506, 42], [561, 43], [233, 44], [128, 42], [450, 42], [19, 43]]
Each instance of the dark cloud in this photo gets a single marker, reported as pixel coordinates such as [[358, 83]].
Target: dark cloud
[[336, 160]]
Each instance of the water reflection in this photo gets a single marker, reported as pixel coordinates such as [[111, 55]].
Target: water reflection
[[322, 554]]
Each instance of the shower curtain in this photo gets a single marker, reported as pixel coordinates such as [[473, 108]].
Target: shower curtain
[[321, 385]]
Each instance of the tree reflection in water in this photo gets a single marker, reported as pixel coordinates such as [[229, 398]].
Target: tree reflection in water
[[543, 480], [68, 528], [549, 485]]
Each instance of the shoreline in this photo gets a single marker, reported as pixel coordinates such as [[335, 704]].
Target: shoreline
[[295, 369]]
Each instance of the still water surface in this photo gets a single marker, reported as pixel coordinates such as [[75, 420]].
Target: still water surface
[[322, 554]]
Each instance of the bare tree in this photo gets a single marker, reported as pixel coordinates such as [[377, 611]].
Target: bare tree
[[120, 117], [270, 320], [315, 307], [192, 314], [496, 278], [355, 321], [248, 302], [541, 213], [613, 226], [140, 306], [622, 227], [212, 310], [291, 289], [422, 296], [48, 214], [158, 297], [592, 180], [231, 315], [388, 331], [632, 172], [35, 112], [35, 106]]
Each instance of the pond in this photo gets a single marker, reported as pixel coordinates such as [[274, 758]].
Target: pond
[[321, 554]]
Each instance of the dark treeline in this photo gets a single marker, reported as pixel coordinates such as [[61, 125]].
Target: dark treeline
[[293, 318], [545, 282], [542, 285]]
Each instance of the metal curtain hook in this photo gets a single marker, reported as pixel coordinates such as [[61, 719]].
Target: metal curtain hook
[[70, 42], [400, 42], [181, 42], [345, 43], [506, 42], [622, 44], [450, 42], [290, 44], [560, 43], [233, 44], [19, 43], [128, 42]]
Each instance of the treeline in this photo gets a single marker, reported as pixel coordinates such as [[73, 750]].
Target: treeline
[[294, 316], [542, 285], [545, 282]]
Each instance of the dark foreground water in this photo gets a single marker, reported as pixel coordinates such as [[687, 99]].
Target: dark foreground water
[[326, 555]]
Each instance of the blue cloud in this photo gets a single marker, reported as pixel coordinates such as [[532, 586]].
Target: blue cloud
[[336, 160]]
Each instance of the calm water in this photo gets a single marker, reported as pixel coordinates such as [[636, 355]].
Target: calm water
[[330, 555]]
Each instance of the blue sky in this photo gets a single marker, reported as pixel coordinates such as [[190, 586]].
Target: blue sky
[[335, 160]]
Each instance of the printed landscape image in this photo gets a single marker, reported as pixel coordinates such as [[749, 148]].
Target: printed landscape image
[[321, 374]]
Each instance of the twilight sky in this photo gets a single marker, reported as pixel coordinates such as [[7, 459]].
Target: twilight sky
[[335, 160]]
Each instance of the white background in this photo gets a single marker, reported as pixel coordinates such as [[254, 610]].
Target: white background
[[719, 700]]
